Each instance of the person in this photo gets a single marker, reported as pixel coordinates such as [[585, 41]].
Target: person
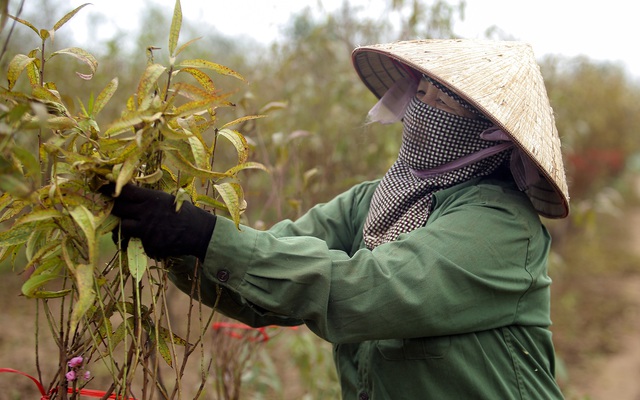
[[431, 282]]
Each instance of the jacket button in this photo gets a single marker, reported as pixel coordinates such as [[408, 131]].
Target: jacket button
[[363, 396], [223, 275]]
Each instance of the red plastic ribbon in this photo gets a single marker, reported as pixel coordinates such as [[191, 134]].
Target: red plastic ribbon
[[43, 393], [97, 394], [47, 396], [231, 329]]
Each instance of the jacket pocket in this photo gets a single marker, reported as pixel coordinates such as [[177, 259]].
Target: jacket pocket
[[414, 349]]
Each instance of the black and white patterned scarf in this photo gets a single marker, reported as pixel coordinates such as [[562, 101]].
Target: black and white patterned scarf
[[431, 138]]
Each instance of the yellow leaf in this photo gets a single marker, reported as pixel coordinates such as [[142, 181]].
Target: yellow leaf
[[242, 119], [125, 124], [81, 55], [238, 141], [203, 79], [231, 194], [180, 163], [127, 171], [67, 17], [221, 69], [174, 32], [16, 66], [25, 23], [104, 96], [248, 165], [195, 106], [148, 80], [171, 337], [185, 45], [191, 92], [162, 347]]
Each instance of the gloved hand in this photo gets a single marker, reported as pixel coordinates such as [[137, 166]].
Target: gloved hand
[[151, 216]]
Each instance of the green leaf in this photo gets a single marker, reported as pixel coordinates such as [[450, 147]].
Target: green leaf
[[169, 337], [48, 294], [210, 202], [239, 142], [16, 66], [17, 234], [35, 282], [47, 255], [121, 331], [83, 276], [86, 221], [137, 259], [67, 17], [148, 80], [174, 32], [104, 96], [230, 193], [199, 152], [221, 69], [40, 215], [161, 346], [81, 55]]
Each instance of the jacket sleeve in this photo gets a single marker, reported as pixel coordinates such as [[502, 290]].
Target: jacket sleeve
[[471, 268], [333, 223]]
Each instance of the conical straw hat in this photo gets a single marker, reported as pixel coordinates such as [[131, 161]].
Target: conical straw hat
[[501, 79]]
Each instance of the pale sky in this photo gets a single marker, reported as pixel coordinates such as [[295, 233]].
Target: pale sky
[[601, 30]]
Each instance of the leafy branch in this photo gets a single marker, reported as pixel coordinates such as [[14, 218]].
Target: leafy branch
[[165, 138]]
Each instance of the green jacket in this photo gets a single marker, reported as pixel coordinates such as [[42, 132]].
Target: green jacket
[[457, 309]]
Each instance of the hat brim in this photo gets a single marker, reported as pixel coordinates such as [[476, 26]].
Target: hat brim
[[501, 79]]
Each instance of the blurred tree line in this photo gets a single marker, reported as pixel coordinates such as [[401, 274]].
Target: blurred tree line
[[315, 140], [315, 137]]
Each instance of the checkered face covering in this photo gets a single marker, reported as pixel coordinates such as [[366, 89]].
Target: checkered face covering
[[431, 138]]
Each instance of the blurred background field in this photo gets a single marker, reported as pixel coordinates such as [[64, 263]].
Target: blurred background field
[[316, 145]]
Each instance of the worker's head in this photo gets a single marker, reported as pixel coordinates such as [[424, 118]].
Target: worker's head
[[501, 83]]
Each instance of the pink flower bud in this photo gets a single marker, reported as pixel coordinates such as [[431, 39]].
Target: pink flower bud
[[87, 375], [75, 362], [71, 376]]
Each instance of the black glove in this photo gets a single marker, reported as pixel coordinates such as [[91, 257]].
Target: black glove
[[151, 216]]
